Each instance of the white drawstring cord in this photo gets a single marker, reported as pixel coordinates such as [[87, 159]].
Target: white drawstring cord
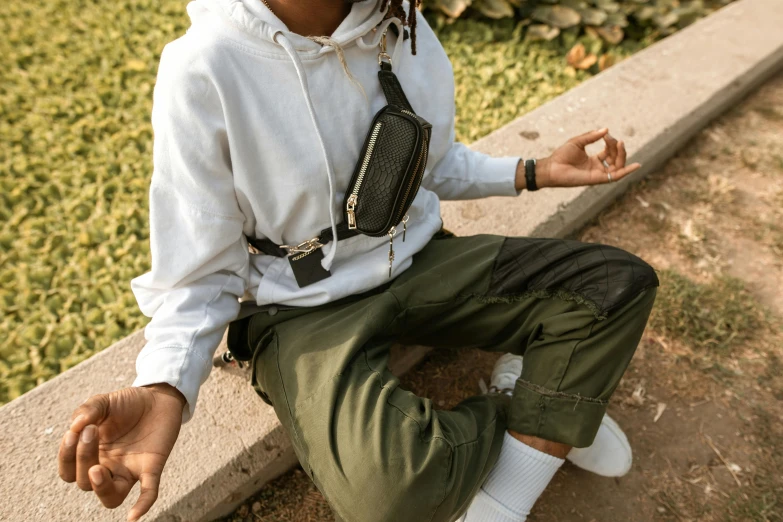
[[283, 41]]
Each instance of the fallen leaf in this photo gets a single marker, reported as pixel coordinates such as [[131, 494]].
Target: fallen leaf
[[659, 411], [578, 58]]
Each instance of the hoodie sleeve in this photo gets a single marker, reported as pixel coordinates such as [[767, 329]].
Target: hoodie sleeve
[[199, 253], [456, 171], [463, 173]]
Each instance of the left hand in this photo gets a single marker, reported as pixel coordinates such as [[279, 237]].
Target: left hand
[[570, 166]]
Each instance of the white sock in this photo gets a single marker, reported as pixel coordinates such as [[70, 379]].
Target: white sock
[[519, 477]]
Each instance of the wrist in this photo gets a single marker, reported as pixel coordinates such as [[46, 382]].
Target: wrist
[[543, 170], [167, 389], [543, 167]]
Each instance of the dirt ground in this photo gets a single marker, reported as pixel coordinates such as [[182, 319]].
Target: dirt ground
[[702, 401]]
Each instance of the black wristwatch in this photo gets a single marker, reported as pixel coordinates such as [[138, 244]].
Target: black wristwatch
[[530, 175]]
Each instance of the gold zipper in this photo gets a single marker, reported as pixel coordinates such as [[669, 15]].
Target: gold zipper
[[354, 197], [416, 170]]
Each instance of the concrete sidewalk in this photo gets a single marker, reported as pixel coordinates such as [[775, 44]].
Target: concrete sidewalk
[[655, 101]]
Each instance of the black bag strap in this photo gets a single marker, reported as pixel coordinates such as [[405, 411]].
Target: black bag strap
[[392, 88], [389, 82]]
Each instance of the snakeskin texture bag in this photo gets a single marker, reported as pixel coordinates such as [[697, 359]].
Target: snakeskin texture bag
[[391, 165]]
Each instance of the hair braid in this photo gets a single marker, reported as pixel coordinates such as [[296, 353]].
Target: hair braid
[[407, 19]]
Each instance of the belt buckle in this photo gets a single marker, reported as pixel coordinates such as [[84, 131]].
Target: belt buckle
[[305, 247]]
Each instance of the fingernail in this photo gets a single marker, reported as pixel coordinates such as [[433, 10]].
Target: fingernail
[[71, 438], [96, 476], [76, 420], [88, 434]]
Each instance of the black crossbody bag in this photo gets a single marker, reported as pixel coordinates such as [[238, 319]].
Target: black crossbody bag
[[384, 184]]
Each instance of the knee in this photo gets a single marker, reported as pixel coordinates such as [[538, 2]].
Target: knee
[[604, 277], [630, 280]]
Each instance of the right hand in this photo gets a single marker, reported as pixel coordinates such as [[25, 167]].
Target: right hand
[[119, 438]]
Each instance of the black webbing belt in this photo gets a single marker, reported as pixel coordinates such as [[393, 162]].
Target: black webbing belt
[[270, 248]]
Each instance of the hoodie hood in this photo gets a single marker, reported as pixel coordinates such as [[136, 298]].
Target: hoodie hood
[[253, 18]]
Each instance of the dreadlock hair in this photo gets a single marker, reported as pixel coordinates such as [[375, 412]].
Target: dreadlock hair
[[408, 19]]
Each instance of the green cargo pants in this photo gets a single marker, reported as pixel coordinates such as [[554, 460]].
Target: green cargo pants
[[575, 311]]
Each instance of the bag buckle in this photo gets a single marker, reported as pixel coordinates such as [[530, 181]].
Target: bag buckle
[[383, 54], [305, 247]]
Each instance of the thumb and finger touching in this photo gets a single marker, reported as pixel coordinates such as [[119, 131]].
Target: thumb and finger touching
[[80, 460], [111, 488], [613, 153]]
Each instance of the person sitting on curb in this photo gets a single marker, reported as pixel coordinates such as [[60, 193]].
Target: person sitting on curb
[[258, 129]]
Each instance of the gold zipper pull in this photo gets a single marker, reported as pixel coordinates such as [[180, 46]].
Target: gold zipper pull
[[404, 227], [392, 232], [351, 208]]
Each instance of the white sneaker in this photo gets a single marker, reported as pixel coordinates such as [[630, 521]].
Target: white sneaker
[[505, 374], [610, 453]]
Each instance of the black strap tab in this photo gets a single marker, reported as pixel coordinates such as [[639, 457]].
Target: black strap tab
[[307, 267]]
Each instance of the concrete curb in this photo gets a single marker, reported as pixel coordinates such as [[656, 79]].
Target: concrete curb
[[655, 100]]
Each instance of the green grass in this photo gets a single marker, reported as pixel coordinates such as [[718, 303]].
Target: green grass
[[76, 151], [717, 316]]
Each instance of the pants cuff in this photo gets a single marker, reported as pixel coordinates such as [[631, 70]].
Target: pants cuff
[[555, 416]]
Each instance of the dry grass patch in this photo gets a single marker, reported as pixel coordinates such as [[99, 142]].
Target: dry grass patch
[[716, 316]]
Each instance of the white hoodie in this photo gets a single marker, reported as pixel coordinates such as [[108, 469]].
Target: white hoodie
[[257, 130]]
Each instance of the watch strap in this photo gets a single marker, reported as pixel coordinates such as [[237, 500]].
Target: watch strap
[[530, 175]]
